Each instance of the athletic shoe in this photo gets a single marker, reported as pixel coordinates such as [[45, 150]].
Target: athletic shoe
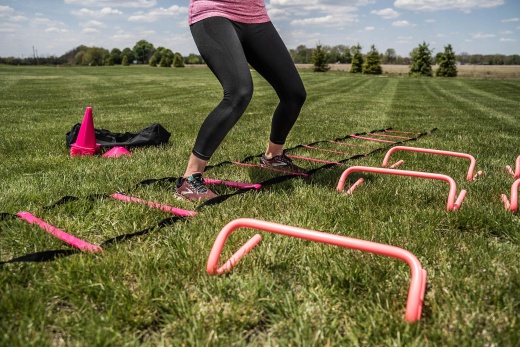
[[193, 188], [282, 162]]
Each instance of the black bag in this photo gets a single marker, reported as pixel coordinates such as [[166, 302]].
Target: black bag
[[153, 135]]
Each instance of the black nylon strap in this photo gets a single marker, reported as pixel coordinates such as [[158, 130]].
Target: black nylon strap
[[56, 254]]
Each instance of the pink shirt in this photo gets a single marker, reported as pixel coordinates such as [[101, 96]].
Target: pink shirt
[[243, 11]]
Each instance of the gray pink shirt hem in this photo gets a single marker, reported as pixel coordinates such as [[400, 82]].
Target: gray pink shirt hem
[[243, 11]]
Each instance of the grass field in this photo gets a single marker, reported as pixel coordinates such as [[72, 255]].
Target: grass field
[[152, 289]]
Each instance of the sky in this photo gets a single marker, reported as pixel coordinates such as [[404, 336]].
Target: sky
[[48, 27]]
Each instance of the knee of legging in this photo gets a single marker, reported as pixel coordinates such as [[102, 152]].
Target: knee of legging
[[240, 96], [296, 97]]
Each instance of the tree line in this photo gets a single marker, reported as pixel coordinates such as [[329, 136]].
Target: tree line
[[144, 52], [342, 54], [420, 64]]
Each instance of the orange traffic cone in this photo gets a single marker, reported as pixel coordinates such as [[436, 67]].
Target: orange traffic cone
[[86, 142]]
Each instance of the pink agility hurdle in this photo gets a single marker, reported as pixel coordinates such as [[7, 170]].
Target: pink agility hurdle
[[516, 173], [470, 176], [513, 205], [60, 234], [166, 208], [451, 205], [418, 274]]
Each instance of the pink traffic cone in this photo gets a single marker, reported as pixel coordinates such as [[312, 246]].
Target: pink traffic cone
[[86, 142], [116, 152]]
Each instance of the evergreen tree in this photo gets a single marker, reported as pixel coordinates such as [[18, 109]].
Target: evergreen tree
[[421, 61], [153, 61], [447, 63], [177, 60], [165, 61], [372, 65], [357, 59], [319, 59]]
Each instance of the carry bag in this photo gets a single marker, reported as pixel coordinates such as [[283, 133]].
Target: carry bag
[[152, 135]]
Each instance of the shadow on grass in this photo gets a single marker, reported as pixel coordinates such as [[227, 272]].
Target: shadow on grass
[[51, 255]]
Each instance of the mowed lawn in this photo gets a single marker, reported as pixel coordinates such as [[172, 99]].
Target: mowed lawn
[[151, 287]]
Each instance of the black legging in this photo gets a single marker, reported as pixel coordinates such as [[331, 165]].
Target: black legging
[[227, 47]]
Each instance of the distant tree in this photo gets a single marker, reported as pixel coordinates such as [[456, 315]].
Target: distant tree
[[93, 56], [372, 64], [346, 57], [129, 54], [463, 58], [153, 61], [357, 59], [69, 57], [109, 61], [177, 60], [143, 51], [447, 63], [301, 55], [125, 62], [193, 59], [389, 56], [319, 59], [514, 59], [157, 56], [78, 58], [115, 54], [165, 61], [421, 61], [498, 59]]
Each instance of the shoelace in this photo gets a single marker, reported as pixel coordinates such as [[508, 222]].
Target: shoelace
[[198, 184], [284, 159]]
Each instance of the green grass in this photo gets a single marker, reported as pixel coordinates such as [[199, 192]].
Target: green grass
[[153, 289]]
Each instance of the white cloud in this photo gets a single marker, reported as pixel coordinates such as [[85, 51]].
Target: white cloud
[[105, 11], [92, 23], [90, 31], [314, 21], [437, 5], [505, 32], [159, 13], [402, 23], [298, 11], [507, 40], [386, 13], [370, 28], [119, 3], [510, 20], [18, 19], [483, 36], [55, 30], [5, 10], [430, 20], [8, 28], [41, 21]]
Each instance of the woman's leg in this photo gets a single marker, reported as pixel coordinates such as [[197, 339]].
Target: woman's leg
[[267, 53], [219, 45]]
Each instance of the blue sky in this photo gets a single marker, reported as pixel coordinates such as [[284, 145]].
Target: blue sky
[[472, 26]]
